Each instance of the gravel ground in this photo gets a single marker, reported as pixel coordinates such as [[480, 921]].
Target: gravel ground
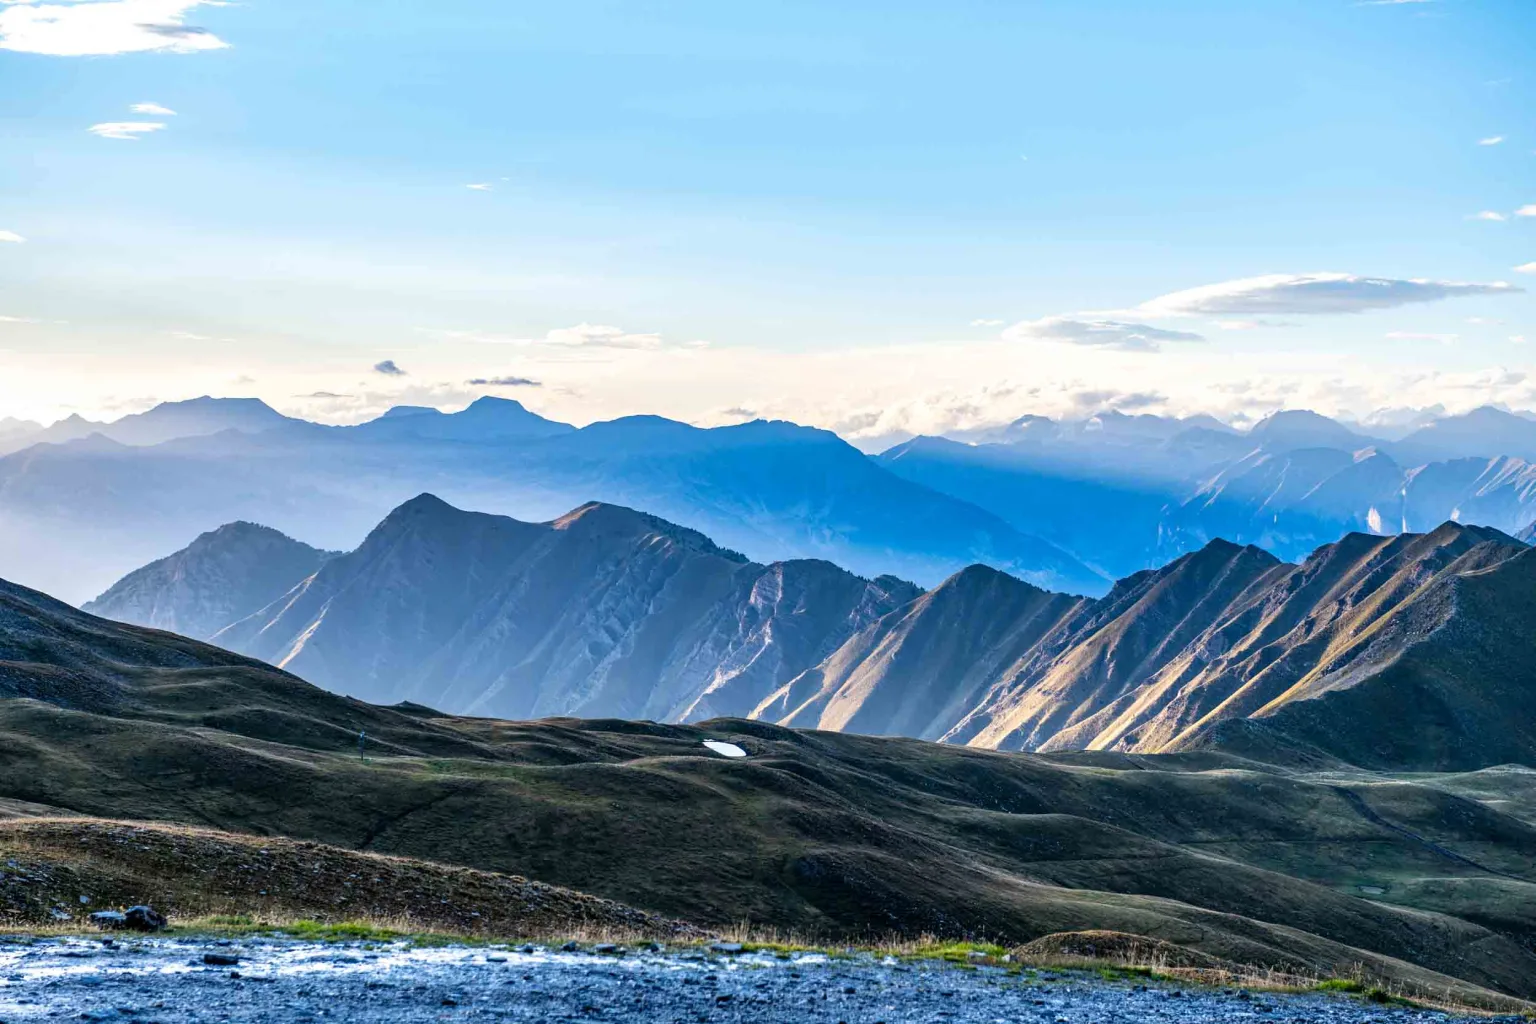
[[275, 980]]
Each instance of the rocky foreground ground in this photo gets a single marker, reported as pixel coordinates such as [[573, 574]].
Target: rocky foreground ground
[[269, 980]]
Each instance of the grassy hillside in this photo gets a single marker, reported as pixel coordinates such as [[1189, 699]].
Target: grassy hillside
[[820, 833], [61, 869]]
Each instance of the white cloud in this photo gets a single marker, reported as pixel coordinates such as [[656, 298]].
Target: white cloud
[[1518, 339], [130, 130], [1097, 333], [1488, 215], [1526, 211], [12, 237], [1492, 140], [987, 323], [1312, 293], [481, 186], [79, 28], [601, 336], [152, 108], [1444, 339], [1526, 268]]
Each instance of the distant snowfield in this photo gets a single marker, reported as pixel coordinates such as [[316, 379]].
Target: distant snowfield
[[725, 749]]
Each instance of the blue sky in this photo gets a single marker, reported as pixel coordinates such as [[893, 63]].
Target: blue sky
[[875, 216]]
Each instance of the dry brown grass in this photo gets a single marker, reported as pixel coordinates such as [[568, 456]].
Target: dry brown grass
[[54, 866]]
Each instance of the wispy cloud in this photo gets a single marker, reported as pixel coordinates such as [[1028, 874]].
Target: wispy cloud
[[1097, 333], [154, 109], [1445, 339], [601, 336], [504, 382], [583, 335], [12, 237], [1488, 215], [1526, 211], [1492, 140], [1297, 294], [987, 323], [388, 368], [129, 130], [91, 28], [480, 186], [1526, 268]]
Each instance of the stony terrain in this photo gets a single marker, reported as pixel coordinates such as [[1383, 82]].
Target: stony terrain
[[170, 981]]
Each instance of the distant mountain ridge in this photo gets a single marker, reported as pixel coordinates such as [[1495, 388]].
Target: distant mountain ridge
[[602, 612], [75, 517], [608, 612], [1067, 505], [221, 577]]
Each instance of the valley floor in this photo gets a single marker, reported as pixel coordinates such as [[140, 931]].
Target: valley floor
[[168, 981]]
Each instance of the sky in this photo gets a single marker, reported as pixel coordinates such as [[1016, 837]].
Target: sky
[[883, 218]]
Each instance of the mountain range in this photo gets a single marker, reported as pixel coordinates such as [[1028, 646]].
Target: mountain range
[[1420, 883], [604, 612], [1066, 505], [1405, 652], [78, 515]]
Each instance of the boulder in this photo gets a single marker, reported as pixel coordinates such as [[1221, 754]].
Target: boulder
[[134, 919]]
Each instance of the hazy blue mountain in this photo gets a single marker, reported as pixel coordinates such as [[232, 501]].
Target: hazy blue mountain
[[75, 517], [1293, 482], [488, 419], [604, 612], [15, 433], [1113, 521], [1065, 505], [169, 420], [1482, 433], [1291, 429], [221, 577]]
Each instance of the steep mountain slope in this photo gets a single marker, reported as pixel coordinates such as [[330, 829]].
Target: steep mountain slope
[[604, 611], [1181, 658], [921, 669], [221, 577], [1442, 679], [822, 833]]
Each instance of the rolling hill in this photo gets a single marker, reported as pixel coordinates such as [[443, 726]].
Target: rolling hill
[[1424, 880]]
